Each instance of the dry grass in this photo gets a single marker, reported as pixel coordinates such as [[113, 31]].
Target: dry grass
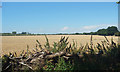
[[19, 43]]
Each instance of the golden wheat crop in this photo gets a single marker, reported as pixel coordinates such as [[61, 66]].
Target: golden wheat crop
[[19, 43]]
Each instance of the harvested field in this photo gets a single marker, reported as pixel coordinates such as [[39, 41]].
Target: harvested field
[[19, 43]]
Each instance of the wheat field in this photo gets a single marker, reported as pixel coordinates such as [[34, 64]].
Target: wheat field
[[19, 43]]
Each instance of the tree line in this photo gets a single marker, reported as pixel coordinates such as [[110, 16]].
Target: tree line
[[110, 31]]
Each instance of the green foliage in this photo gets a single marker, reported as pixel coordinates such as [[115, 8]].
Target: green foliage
[[117, 34], [102, 32], [103, 56], [7, 34], [54, 50], [47, 45], [109, 31], [14, 32], [49, 66], [77, 33], [86, 33], [60, 65], [24, 33], [74, 49], [60, 45]]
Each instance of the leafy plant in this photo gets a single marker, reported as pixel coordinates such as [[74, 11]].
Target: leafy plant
[[103, 56]]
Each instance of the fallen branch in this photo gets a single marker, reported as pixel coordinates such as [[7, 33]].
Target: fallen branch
[[7, 66], [26, 65], [55, 55], [66, 57]]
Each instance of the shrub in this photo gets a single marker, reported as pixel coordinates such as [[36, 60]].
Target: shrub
[[103, 56]]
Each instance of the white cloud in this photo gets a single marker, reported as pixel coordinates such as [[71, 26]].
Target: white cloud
[[64, 28], [96, 27], [86, 28]]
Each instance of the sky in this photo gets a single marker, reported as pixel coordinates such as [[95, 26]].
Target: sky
[[59, 0], [58, 17]]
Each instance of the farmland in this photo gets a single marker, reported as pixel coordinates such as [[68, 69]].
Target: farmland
[[19, 43]]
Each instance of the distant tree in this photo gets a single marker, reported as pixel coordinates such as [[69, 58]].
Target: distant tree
[[112, 30], [14, 32], [109, 31], [117, 34], [93, 33], [102, 32], [7, 34], [76, 33], [59, 34], [86, 33], [24, 33]]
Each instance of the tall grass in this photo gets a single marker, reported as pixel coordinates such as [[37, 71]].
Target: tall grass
[[103, 56]]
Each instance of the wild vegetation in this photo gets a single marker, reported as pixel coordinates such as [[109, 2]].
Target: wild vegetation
[[65, 56]]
